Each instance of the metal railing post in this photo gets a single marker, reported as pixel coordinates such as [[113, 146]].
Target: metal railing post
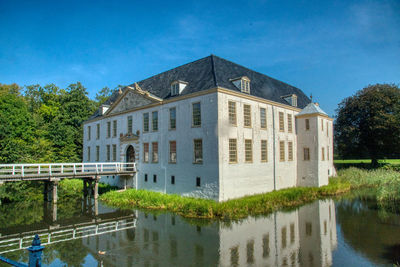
[[35, 253]]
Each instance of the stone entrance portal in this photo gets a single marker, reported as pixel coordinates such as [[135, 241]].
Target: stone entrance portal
[[130, 154]]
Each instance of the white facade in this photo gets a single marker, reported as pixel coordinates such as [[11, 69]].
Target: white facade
[[303, 237], [216, 176]]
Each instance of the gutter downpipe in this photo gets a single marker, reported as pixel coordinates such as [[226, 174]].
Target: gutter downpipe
[[274, 146]]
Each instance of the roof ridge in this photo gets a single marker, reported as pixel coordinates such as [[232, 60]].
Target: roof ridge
[[213, 70]]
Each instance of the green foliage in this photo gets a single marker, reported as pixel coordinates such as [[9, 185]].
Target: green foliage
[[103, 95], [368, 123], [231, 209], [44, 124], [16, 128]]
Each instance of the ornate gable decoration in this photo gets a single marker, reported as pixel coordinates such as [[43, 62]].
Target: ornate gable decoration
[[133, 98]]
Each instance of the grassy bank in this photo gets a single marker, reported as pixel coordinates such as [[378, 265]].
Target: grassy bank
[[355, 161], [393, 164], [386, 183], [232, 209]]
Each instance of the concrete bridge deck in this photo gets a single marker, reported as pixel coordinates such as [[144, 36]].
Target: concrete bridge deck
[[50, 171]]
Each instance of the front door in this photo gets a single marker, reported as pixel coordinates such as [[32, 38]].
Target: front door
[[130, 157]]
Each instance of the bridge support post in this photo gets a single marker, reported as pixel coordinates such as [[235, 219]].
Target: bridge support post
[[96, 188], [50, 190]]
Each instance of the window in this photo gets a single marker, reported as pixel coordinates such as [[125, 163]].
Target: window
[[97, 153], [282, 150], [322, 125], [232, 150], [307, 124], [175, 88], [323, 154], [245, 85], [155, 178], [130, 124], [264, 151], [196, 114], [198, 180], [247, 115], [108, 129], [327, 129], [291, 99], [306, 153], [172, 151], [290, 151], [173, 179], [88, 153], [281, 122], [154, 151], [145, 152], [290, 123], [198, 150], [154, 120], [145, 177], [248, 148], [232, 112], [145, 122], [108, 153], [172, 118], [114, 129], [327, 152], [89, 132], [98, 131], [263, 118], [114, 152]]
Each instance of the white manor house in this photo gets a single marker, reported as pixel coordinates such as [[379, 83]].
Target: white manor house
[[212, 129]]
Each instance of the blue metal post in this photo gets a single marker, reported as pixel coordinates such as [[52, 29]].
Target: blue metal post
[[35, 253]]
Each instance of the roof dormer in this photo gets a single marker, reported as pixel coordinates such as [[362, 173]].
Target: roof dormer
[[242, 83], [291, 99], [177, 87]]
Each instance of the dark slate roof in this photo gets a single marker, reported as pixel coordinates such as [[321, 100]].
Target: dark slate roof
[[213, 71]]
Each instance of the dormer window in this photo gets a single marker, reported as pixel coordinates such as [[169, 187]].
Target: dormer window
[[242, 83], [245, 86], [291, 99], [177, 87]]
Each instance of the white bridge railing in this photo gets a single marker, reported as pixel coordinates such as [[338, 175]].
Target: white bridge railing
[[64, 170], [62, 235]]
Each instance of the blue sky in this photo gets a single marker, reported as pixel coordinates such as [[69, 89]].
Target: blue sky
[[328, 48]]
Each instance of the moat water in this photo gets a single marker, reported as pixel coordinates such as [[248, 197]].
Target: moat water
[[345, 232]]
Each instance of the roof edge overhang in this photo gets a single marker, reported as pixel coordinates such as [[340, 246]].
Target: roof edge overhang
[[217, 89]]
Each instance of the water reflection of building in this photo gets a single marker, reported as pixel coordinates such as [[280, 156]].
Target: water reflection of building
[[304, 237]]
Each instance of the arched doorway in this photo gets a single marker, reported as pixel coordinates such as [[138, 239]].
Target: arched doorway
[[130, 156]]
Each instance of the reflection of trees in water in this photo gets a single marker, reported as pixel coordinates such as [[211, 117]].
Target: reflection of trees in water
[[73, 253], [363, 226], [21, 213]]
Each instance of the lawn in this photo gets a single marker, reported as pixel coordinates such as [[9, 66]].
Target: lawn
[[358, 161]]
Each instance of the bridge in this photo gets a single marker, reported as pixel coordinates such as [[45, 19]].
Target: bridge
[[52, 173], [14, 242]]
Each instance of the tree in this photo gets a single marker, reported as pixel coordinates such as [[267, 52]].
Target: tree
[[16, 128], [368, 123], [103, 95]]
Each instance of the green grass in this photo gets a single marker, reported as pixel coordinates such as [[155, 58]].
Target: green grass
[[385, 182], [368, 161], [231, 209]]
